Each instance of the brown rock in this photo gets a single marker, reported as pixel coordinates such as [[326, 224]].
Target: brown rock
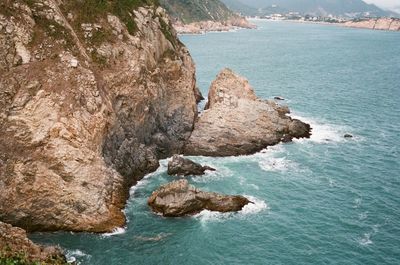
[[178, 198], [72, 144], [15, 243], [184, 167], [236, 122]]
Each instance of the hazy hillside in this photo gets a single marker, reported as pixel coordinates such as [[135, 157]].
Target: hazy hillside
[[197, 10], [312, 7]]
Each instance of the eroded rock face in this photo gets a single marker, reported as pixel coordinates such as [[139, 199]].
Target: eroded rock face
[[180, 166], [178, 198], [14, 243], [236, 122], [86, 109]]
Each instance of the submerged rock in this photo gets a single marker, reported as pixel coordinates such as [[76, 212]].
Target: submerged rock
[[14, 243], [236, 122], [178, 198], [184, 167]]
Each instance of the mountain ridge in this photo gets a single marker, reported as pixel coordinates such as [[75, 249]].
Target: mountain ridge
[[347, 8]]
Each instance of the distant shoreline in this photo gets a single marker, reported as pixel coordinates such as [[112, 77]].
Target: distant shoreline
[[385, 24], [202, 27]]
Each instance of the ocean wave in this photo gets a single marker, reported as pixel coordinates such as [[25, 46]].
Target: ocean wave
[[276, 164], [323, 132], [220, 173], [116, 231], [155, 238], [365, 240], [257, 206], [145, 180], [72, 255]]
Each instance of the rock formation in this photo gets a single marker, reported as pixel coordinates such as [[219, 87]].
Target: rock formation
[[184, 167], [392, 24], [201, 27], [15, 245], [178, 198], [236, 122], [91, 96]]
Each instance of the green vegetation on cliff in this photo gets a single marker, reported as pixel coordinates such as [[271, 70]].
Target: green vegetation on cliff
[[189, 11], [8, 257], [89, 10]]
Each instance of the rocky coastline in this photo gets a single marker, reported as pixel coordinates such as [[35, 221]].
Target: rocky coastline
[[202, 27], [391, 24], [89, 104]]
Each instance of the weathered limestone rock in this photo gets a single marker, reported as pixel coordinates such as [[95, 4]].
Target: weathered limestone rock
[[236, 122], [184, 167], [83, 116], [15, 243], [178, 198]]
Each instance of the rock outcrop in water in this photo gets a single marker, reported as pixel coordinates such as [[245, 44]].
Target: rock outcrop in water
[[236, 122], [178, 198], [180, 166], [392, 24], [90, 98], [15, 245]]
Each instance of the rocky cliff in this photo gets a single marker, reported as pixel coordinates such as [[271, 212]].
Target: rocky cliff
[[391, 24], [92, 93]]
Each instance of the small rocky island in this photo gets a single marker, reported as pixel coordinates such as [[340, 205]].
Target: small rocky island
[[178, 198], [236, 122], [180, 166]]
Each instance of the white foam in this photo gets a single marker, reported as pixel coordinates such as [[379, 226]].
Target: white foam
[[365, 240], [323, 132], [220, 173], [357, 203], [116, 231], [255, 207], [71, 255], [77, 253], [144, 181], [276, 164], [363, 216], [157, 237]]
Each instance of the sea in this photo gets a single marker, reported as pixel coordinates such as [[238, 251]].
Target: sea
[[323, 200]]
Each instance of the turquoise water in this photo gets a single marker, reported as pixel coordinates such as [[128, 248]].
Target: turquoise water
[[326, 200]]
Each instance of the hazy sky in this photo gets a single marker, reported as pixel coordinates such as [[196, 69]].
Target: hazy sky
[[385, 3]]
